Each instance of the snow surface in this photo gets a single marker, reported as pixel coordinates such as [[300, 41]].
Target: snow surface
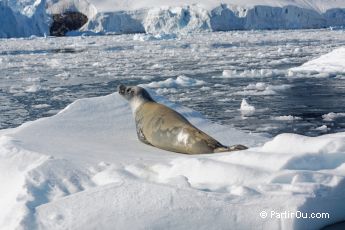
[[85, 169], [330, 64]]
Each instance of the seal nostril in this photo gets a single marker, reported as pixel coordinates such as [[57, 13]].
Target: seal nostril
[[121, 89]]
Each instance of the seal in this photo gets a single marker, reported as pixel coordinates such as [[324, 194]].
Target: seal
[[164, 128]]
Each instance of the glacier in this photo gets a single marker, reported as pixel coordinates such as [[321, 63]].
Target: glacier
[[178, 17], [25, 18]]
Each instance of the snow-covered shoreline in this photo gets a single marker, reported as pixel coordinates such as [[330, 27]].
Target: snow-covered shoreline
[[84, 168], [174, 17]]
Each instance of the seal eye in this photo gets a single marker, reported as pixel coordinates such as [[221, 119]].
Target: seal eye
[[132, 92]]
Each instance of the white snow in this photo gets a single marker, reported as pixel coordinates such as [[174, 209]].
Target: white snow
[[332, 63], [84, 168]]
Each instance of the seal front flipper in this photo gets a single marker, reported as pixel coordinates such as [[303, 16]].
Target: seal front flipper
[[141, 135]]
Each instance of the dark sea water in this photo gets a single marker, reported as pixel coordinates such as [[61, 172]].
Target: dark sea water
[[40, 76]]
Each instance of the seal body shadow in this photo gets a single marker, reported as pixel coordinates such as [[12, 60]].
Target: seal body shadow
[[164, 128]]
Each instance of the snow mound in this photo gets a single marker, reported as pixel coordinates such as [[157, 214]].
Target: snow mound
[[85, 169], [180, 81], [330, 64]]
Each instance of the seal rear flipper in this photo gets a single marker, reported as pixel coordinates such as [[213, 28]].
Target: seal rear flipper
[[230, 148]]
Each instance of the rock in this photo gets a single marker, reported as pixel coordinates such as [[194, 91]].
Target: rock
[[68, 21]]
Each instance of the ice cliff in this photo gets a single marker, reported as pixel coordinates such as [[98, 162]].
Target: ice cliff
[[31, 17]]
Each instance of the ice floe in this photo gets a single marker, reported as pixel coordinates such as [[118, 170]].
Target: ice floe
[[330, 64], [84, 169]]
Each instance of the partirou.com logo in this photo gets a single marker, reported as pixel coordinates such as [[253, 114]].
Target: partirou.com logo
[[295, 214]]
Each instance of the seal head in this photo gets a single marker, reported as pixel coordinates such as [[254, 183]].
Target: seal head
[[135, 95]]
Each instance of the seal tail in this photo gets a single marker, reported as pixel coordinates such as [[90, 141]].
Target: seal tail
[[230, 148]]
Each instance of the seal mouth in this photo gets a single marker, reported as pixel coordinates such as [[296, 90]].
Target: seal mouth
[[121, 89]]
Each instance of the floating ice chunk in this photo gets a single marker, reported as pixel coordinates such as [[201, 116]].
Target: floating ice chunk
[[322, 128], [153, 37], [287, 118], [166, 90], [40, 106], [332, 116], [329, 64], [147, 77], [245, 106], [205, 88], [291, 73], [229, 73], [180, 81], [298, 50], [250, 73], [32, 89], [262, 88]]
